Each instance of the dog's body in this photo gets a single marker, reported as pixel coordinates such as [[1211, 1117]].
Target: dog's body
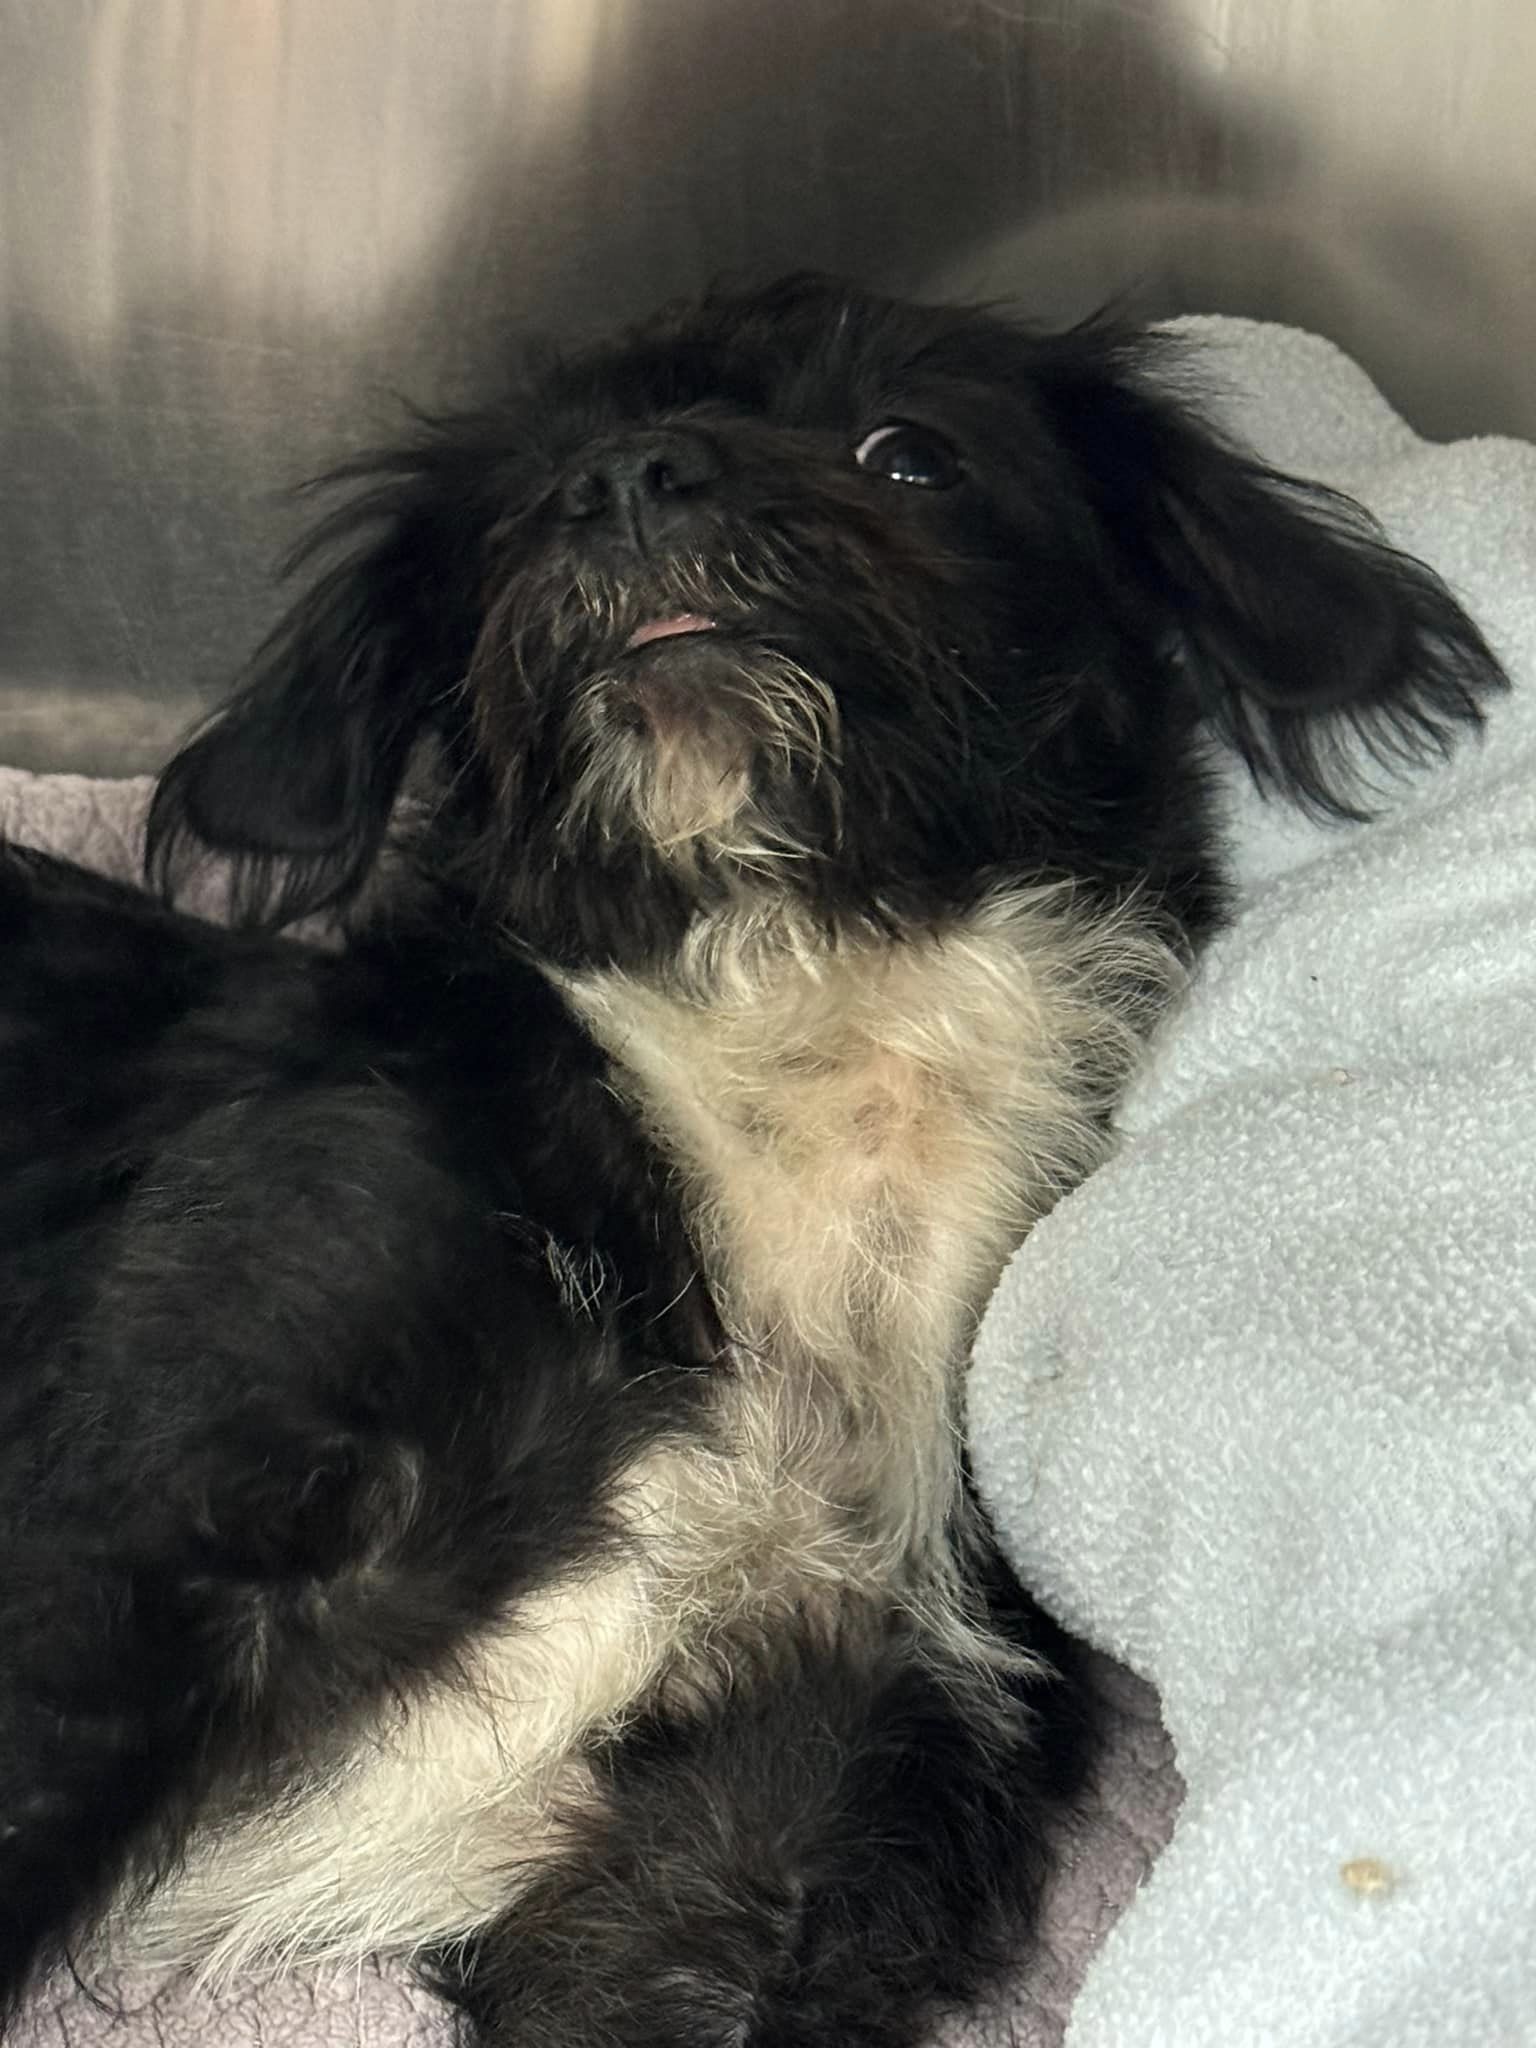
[[481, 1462]]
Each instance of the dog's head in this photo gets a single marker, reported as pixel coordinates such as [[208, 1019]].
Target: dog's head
[[808, 592]]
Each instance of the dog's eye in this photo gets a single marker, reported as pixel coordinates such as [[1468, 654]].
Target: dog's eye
[[909, 455]]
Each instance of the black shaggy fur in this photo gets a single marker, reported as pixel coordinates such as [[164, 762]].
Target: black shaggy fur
[[291, 1404], [879, 1823]]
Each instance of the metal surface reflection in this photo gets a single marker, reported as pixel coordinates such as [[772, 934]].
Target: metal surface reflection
[[228, 232]]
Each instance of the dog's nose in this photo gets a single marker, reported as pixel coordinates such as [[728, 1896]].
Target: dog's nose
[[645, 488]]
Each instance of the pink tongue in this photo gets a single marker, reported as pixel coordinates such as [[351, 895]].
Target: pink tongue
[[668, 629]]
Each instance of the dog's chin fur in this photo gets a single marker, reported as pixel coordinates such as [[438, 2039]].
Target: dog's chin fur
[[689, 753], [481, 1457]]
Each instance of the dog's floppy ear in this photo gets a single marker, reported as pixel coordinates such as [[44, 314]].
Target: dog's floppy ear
[[294, 780], [1311, 643]]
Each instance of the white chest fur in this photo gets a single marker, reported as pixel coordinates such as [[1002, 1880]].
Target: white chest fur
[[863, 1133]]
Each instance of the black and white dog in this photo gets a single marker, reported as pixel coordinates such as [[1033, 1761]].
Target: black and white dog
[[480, 1468]]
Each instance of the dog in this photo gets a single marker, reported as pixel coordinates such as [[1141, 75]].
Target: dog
[[482, 1469]]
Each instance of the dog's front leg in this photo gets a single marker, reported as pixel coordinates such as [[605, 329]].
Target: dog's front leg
[[319, 1418], [840, 1834]]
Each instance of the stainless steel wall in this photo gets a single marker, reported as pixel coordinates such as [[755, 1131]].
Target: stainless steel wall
[[229, 228]]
